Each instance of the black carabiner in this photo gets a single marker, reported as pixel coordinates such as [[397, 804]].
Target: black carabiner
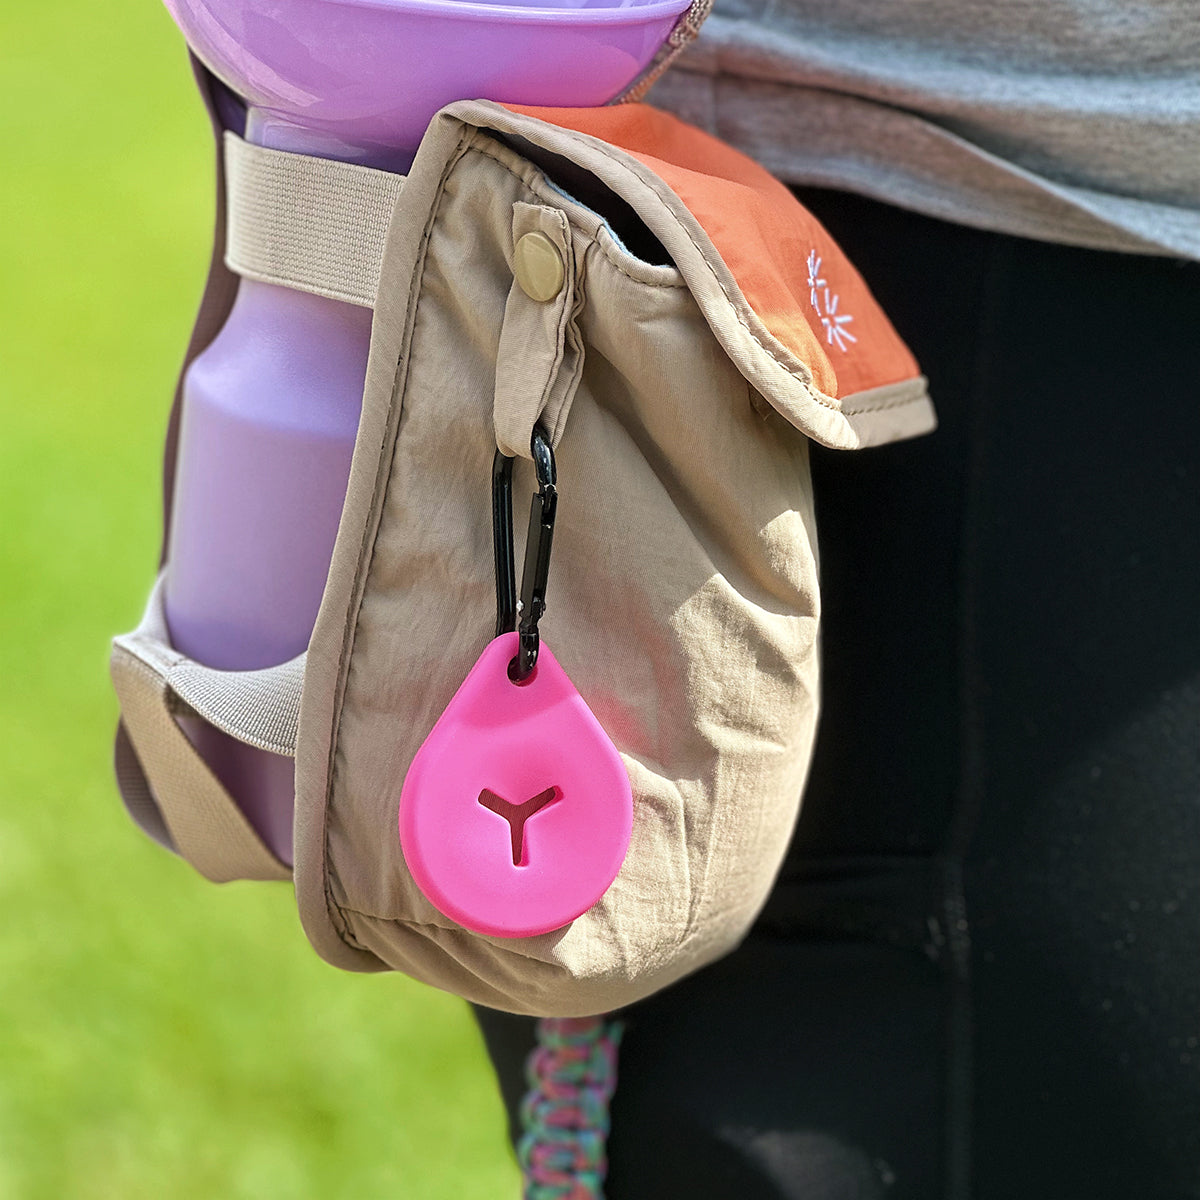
[[523, 615]]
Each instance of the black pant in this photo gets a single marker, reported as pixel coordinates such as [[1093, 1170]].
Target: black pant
[[978, 973]]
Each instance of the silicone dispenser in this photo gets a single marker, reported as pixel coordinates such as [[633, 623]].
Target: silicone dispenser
[[271, 407], [516, 813]]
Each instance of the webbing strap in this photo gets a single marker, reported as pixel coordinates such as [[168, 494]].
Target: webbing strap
[[155, 684], [307, 223]]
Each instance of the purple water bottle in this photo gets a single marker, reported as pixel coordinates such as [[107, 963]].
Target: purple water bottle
[[271, 407]]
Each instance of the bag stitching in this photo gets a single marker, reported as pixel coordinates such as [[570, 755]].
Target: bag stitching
[[917, 396], [567, 391], [566, 312], [568, 367], [370, 533]]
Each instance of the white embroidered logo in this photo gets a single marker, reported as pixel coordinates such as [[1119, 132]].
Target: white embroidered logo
[[826, 304]]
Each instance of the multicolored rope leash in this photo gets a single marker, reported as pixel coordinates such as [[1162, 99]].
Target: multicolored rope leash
[[572, 1073]]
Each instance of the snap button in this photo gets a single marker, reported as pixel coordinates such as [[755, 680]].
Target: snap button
[[538, 266]]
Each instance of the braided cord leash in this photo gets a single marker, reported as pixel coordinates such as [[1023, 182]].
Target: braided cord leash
[[572, 1073]]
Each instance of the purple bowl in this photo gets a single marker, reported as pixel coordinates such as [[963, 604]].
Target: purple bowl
[[355, 76]]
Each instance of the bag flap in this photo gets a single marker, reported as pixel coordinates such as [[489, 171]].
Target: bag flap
[[781, 297]]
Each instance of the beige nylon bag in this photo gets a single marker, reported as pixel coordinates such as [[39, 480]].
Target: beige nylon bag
[[680, 328]]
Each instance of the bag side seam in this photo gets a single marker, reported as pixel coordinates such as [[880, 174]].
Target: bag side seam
[[370, 535]]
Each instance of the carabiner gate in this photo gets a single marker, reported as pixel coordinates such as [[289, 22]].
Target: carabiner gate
[[523, 615]]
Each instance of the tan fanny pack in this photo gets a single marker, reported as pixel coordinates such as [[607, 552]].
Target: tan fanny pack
[[678, 328]]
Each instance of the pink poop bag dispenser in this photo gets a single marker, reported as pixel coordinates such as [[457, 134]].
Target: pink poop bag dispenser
[[516, 813]]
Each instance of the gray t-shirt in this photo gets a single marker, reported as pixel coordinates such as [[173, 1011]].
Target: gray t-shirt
[[1073, 121]]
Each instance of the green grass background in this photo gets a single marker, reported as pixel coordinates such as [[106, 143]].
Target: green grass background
[[159, 1037]]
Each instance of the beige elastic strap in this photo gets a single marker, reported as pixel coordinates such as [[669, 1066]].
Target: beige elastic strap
[[155, 685], [307, 223]]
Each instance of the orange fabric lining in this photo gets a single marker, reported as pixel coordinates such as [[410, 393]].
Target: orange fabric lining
[[782, 258]]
